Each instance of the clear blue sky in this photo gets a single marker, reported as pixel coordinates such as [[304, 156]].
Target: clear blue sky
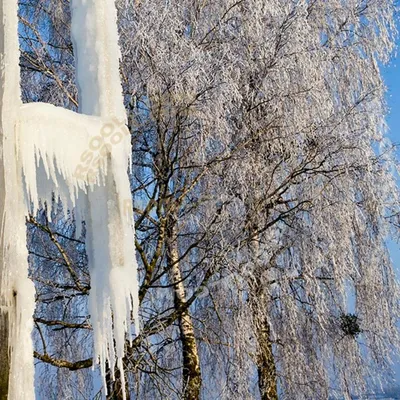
[[391, 74]]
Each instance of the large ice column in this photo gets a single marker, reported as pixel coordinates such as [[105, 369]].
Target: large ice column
[[113, 275], [97, 54], [16, 290], [110, 240]]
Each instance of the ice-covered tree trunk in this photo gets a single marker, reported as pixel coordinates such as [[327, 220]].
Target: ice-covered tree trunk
[[16, 290], [4, 356], [4, 359]]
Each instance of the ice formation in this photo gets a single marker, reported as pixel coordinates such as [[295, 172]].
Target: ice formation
[[13, 264], [83, 159]]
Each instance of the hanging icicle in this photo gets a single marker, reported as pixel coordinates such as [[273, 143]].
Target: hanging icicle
[[83, 159]]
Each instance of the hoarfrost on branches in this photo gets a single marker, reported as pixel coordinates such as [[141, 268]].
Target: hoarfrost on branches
[[289, 93]]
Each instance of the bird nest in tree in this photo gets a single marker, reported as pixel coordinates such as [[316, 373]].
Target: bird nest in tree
[[350, 324]]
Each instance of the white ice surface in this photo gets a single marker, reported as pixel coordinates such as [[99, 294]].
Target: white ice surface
[[110, 244], [17, 294], [82, 158]]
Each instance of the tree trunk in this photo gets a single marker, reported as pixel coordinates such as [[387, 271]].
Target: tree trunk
[[191, 361], [4, 328], [264, 358], [4, 356], [266, 369], [114, 387]]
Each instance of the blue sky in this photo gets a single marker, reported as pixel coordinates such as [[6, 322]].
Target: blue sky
[[391, 74]]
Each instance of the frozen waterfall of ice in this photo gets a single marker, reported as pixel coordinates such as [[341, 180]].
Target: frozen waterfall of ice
[[83, 159]]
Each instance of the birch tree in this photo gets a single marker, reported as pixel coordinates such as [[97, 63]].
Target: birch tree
[[300, 83]]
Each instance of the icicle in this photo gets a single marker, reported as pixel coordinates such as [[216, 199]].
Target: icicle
[[16, 290], [95, 38], [48, 150], [114, 294], [64, 146]]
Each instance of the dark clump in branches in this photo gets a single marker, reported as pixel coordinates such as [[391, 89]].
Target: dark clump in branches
[[350, 325]]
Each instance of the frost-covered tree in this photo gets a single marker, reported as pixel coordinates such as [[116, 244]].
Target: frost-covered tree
[[292, 92], [263, 191]]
